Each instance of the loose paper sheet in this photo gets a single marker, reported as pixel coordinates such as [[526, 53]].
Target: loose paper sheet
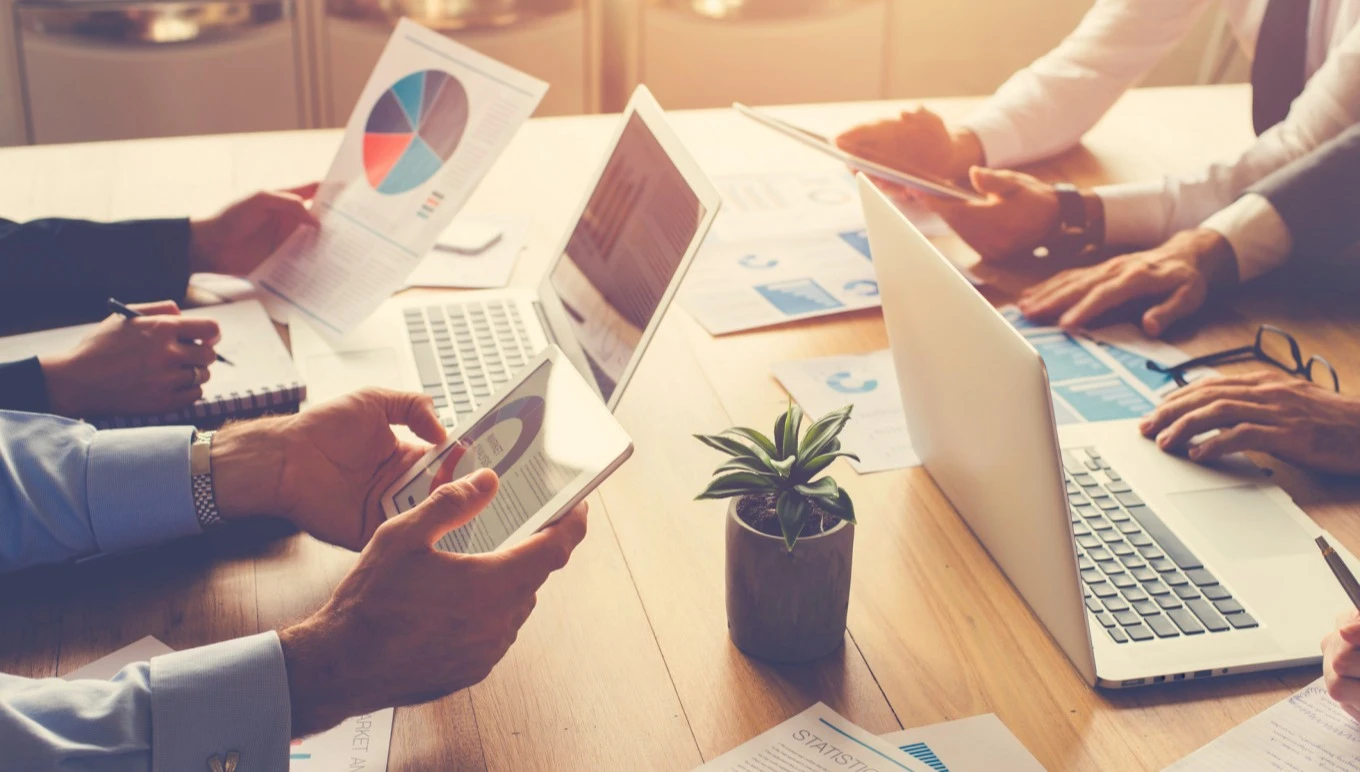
[[1307, 732], [877, 430], [816, 740], [786, 246], [432, 119], [976, 744], [488, 269], [360, 743]]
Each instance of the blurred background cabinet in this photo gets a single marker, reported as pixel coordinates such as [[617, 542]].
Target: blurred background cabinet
[[104, 69]]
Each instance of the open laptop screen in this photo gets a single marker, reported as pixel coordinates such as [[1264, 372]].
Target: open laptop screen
[[626, 248]]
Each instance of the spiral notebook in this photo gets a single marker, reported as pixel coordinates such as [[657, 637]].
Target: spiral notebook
[[260, 380]]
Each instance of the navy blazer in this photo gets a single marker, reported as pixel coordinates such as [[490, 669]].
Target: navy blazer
[[61, 272]]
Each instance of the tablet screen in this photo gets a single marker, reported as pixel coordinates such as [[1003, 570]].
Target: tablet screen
[[537, 438]]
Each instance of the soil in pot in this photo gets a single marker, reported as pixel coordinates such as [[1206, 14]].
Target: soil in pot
[[758, 512]]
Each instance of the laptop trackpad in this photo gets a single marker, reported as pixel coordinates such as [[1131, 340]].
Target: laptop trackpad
[[1243, 522]]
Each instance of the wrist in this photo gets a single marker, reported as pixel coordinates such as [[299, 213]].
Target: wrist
[[1213, 255], [247, 468], [200, 247], [967, 153], [64, 395], [316, 677]]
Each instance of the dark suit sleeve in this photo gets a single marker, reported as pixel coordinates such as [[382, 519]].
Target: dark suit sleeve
[[59, 272], [1318, 196], [23, 387]]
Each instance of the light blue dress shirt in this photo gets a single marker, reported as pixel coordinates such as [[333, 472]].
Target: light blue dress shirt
[[68, 491]]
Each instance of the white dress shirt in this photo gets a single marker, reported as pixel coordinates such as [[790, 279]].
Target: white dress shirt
[[1047, 107]]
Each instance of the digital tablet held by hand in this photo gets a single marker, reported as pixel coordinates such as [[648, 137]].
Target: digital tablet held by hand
[[548, 437], [917, 182]]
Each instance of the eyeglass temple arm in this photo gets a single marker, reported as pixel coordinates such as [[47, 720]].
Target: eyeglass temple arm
[[1202, 361]]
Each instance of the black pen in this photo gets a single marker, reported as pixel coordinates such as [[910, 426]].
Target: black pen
[[1343, 574], [118, 308]]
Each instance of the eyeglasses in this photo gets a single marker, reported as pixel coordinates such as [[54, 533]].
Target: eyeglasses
[[1273, 346]]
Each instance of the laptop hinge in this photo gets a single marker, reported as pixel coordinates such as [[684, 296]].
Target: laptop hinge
[[543, 322]]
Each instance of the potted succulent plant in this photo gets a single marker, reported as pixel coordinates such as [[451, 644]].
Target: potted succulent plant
[[789, 536]]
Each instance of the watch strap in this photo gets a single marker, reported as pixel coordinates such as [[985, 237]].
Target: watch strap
[[201, 481]]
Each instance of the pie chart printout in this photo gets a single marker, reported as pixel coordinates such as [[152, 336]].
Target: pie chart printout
[[413, 128]]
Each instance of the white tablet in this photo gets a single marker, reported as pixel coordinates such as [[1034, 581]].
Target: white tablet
[[870, 168], [548, 437]]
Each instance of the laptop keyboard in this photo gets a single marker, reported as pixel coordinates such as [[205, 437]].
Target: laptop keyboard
[[1140, 581], [466, 351]]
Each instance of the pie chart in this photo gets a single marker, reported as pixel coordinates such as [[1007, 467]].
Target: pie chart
[[413, 128]]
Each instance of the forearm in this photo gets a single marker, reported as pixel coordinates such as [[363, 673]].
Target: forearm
[[1045, 108], [63, 271], [171, 714], [67, 491]]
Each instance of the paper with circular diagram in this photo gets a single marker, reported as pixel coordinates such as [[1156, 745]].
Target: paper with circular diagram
[[433, 118]]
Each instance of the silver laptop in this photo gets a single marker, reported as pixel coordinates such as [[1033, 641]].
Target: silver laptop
[[1144, 567], [635, 234]]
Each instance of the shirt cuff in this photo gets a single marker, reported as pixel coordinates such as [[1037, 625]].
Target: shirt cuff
[[1000, 142], [230, 697], [139, 488], [1257, 233], [1135, 213]]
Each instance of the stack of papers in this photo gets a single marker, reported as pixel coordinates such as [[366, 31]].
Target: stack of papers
[[785, 247]]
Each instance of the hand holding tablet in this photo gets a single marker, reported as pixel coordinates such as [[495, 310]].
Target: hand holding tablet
[[548, 438]]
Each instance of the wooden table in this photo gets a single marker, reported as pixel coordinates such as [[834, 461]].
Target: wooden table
[[626, 663]]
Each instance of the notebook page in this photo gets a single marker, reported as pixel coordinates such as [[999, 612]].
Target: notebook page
[[1308, 731]]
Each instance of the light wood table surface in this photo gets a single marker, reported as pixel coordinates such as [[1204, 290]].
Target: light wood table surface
[[626, 662]]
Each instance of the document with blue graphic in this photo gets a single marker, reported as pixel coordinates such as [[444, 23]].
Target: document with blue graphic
[[1099, 376], [877, 430], [968, 745], [817, 740], [786, 246]]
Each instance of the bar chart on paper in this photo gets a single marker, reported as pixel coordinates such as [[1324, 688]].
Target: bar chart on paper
[[413, 128]]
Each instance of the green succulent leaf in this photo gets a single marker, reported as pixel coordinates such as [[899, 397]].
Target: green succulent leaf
[[784, 467], [751, 465], [760, 440], [727, 445], [840, 505], [816, 465], [736, 484], [793, 421], [779, 434], [822, 432], [823, 488], [793, 511]]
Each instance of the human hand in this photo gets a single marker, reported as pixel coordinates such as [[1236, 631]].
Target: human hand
[[237, 239], [149, 364], [410, 623], [325, 468], [1174, 278], [916, 142], [1288, 417], [1341, 663], [1013, 219]]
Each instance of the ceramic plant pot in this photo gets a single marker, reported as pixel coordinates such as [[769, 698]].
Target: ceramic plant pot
[[787, 606]]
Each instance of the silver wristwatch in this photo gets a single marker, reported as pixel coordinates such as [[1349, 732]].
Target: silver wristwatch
[[201, 479]]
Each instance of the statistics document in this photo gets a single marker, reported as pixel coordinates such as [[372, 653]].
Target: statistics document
[[433, 118], [817, 740]]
